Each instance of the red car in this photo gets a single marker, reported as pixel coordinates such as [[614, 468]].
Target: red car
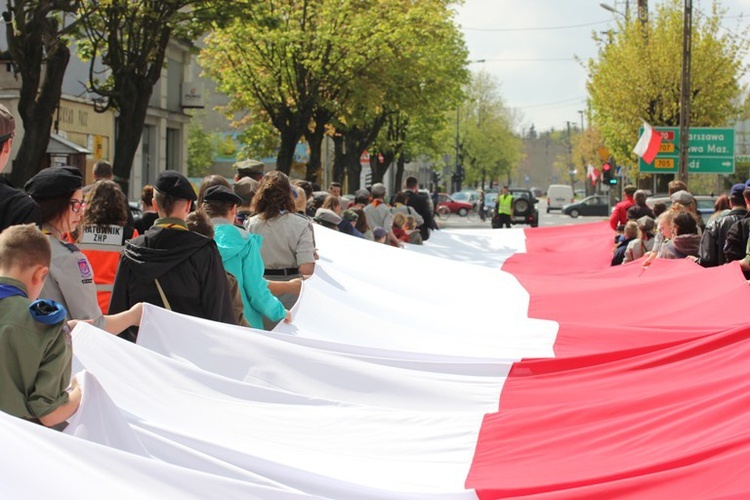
[[456, 207]]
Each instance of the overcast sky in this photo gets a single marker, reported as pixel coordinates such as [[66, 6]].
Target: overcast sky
[[530, 46]]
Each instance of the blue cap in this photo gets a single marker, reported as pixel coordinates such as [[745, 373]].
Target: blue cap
[[737, 190]]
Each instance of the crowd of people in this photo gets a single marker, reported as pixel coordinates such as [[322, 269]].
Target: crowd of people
[[679, 231], [235, 253]]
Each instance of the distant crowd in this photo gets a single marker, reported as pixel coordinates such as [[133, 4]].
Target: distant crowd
[[678, 231]]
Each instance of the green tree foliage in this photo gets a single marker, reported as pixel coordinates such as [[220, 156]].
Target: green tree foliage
[[200, 149], [489, 147], [39, 51], [130, 38], [307, 65], [637, 75]]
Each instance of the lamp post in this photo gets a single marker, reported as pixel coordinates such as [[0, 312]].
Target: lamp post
[[608, 7], [458, 172]]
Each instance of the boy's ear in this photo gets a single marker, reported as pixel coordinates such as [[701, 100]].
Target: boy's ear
[[40, 274]]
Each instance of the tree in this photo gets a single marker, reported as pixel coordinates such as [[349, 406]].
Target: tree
[[489, 147], [130, 38], [413, 84], [637, 75], [200, 148], [290, 58], [39, 53], [317, 63]]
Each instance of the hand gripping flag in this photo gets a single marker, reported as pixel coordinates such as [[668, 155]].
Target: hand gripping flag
[[648, 144]]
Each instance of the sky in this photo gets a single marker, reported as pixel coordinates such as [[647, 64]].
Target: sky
[[530, 47]]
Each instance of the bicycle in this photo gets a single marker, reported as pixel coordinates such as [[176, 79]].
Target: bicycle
[[473, 215], [443, 212]]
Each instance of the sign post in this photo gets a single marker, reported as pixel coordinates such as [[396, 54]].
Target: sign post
[[710, 151]]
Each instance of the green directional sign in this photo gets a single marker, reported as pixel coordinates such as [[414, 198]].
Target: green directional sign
[[711, 151]]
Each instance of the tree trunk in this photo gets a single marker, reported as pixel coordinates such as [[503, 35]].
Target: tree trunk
[[400, 169], [289, 140], [130, 123], [339, 162], [352, 155], [315, 143], [379, 168], [37, 108]]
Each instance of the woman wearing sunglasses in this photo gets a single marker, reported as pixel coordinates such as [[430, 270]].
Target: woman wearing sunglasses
[[57, 191]]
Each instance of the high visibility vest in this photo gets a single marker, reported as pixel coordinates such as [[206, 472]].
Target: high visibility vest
[[103, 247], [505, 204]]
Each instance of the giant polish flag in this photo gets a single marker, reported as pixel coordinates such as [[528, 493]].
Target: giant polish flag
[[491, 364]]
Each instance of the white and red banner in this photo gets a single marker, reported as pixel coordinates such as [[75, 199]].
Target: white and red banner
[[428, 372], [648, 144]]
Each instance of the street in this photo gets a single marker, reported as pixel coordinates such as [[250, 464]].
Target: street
[[554, 218]]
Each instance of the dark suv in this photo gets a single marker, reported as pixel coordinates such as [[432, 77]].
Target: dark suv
[[524, 208]]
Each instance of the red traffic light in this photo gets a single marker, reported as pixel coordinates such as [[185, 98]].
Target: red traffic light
[[606, 167]]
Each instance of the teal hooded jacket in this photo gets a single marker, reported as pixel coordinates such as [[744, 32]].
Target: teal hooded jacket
[[240, 252]]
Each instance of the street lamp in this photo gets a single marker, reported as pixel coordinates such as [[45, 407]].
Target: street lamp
[[455, 181], [608, 7]]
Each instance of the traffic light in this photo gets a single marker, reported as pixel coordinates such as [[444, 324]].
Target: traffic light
[[608, 172]]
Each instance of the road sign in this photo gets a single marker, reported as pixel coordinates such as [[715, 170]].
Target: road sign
[[711, 151]]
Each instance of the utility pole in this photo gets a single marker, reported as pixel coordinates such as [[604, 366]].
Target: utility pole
[[682, 170], [643, 11], [571, 169]]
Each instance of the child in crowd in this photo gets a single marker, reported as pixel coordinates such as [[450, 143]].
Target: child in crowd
[[379, 234], [412, 229], [399, 221], [35, 344]]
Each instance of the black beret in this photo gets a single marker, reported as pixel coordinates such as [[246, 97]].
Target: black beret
[[222, 193], [54, 182], [176, 185]]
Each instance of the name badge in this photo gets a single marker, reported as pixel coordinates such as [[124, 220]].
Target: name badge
[[103, 235]]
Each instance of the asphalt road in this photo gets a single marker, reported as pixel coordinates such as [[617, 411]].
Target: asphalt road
[[545, 219]]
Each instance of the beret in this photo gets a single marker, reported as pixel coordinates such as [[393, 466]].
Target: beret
[[682, 197], [249, 167], [324, 215], [176, 185], [53, 182], [222, 193], [7, 122]]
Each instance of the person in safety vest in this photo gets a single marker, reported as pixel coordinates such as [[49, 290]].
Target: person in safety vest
[[505, 207]]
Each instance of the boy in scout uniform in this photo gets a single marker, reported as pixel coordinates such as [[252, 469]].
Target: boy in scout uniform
[[35, 346], [170, 266]]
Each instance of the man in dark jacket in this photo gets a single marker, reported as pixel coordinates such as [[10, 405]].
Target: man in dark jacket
[[16, 206], [411, 188], [715, 235], [170, 266]]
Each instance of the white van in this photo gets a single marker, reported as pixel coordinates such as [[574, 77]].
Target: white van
[[559, 195]]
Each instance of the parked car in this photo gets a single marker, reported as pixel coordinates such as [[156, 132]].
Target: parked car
[[705, 204], [591, 205], [467, 195], [456, 207], [524, 208]]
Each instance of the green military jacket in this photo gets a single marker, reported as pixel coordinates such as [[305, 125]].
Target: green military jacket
[[35, 359]]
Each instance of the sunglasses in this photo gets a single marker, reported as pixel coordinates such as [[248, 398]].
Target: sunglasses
[[77, 205]]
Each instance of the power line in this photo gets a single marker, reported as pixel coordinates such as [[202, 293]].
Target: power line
[[543, 59], [555, 103], [546, 28]]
